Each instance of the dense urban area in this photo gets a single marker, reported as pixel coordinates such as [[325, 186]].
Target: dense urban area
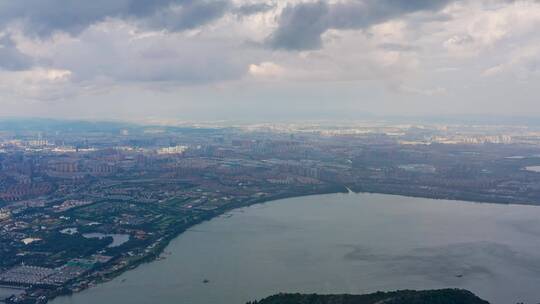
[[81, 202]]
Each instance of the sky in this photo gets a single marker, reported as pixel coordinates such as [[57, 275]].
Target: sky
[[169, 60]]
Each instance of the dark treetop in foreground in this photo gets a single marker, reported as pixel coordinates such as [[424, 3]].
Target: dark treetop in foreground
[[442, 296]]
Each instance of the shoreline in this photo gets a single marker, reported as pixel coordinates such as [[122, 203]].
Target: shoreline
[[160, 248], [331, 189]]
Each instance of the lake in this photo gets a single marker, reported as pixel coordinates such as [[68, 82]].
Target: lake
[[341, 243], [6, 292], [118, 239]]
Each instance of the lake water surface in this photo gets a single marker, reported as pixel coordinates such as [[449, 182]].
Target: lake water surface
[[6, 292], [118, 239], [341, 243]]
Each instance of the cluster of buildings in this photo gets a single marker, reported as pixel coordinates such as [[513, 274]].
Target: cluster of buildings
[[56, 193], [35, 276]]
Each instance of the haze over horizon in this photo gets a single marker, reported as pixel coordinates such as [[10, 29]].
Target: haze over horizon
[[268, 60], [394, 143]]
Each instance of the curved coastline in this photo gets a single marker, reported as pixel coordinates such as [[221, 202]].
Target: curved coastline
[[331, 189], [160, 248]]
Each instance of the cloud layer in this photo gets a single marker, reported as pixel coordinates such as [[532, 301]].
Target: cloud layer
[[45, 17], [301, 25], [240, 58], [10, 57]]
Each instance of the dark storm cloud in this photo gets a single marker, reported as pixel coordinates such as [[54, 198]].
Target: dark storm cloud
[[253, 8], [146, 7], [301, 25], [10, 57], [44, 17], [189, 15]]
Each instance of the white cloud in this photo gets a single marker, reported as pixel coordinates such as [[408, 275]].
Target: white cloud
[[266, 69], [36, 84]]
